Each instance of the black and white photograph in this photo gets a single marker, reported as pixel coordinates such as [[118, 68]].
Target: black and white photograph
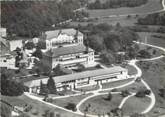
[[82, 58]]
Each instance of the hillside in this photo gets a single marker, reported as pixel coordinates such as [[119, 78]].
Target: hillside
[[29, 18]]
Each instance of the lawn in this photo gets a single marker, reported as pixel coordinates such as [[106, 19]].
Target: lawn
[[131, 70], [151, 6], [88, 88], [116, 83], [152, 39], [135, 87], [99, 104], [73, 99], [151, 50], [135, 105], [154, 75], [37, 107]]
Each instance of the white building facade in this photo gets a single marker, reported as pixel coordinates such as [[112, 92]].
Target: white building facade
[[69, 56], [83, 79], [63, 38]]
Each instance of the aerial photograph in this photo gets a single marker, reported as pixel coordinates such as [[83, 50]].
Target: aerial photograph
[[82, 58]]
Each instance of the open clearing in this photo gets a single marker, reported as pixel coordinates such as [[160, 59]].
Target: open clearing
[[151, 6], [63, 102], [154, 75], [135, 105], [152, 39], [99, 104], [38, 107]]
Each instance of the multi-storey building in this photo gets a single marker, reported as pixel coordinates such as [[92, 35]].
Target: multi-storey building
[[69, 56], [66, 47], [63, 38]]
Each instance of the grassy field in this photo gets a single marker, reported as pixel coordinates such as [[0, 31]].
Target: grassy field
[[88, 88], [115, 83], [135, 105], [154, 75], [124, 21], [99, 104], [152, 39], [151, 51], [152, 5], [37, 107], [135, 87], [73, 99], [131, 70]]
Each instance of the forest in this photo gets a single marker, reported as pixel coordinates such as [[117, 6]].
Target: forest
[[153, 19], [30, 18]]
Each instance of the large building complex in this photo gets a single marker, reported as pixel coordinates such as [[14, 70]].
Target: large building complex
[[82, 79], [66, 47]]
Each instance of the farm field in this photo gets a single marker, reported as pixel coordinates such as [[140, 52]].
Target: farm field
[[151, 6]]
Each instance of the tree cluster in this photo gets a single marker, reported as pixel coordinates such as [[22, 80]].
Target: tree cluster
[[115, 4], [107, 40], [153, 19], [10, 87], [30, 18], [49, 88]]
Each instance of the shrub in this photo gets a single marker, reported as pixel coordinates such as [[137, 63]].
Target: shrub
[[114, 90], [109, 97], [140, 94], [147, 92], [125, 93], [71, 106], [162, 93], [138, 80]]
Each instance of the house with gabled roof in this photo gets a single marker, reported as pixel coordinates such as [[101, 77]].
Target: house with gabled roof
[[63, 37]]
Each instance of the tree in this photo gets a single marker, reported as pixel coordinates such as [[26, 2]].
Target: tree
[[38, 53], [109, 96], [29, 45], [71, 106], [41, 88], [51, 85], [11, 88]]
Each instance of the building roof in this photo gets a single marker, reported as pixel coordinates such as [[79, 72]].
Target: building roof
[[56, 52], [54, 33], [77, 76], [4, 46]]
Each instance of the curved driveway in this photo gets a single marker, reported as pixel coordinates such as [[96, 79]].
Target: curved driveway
[[96, 92]]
